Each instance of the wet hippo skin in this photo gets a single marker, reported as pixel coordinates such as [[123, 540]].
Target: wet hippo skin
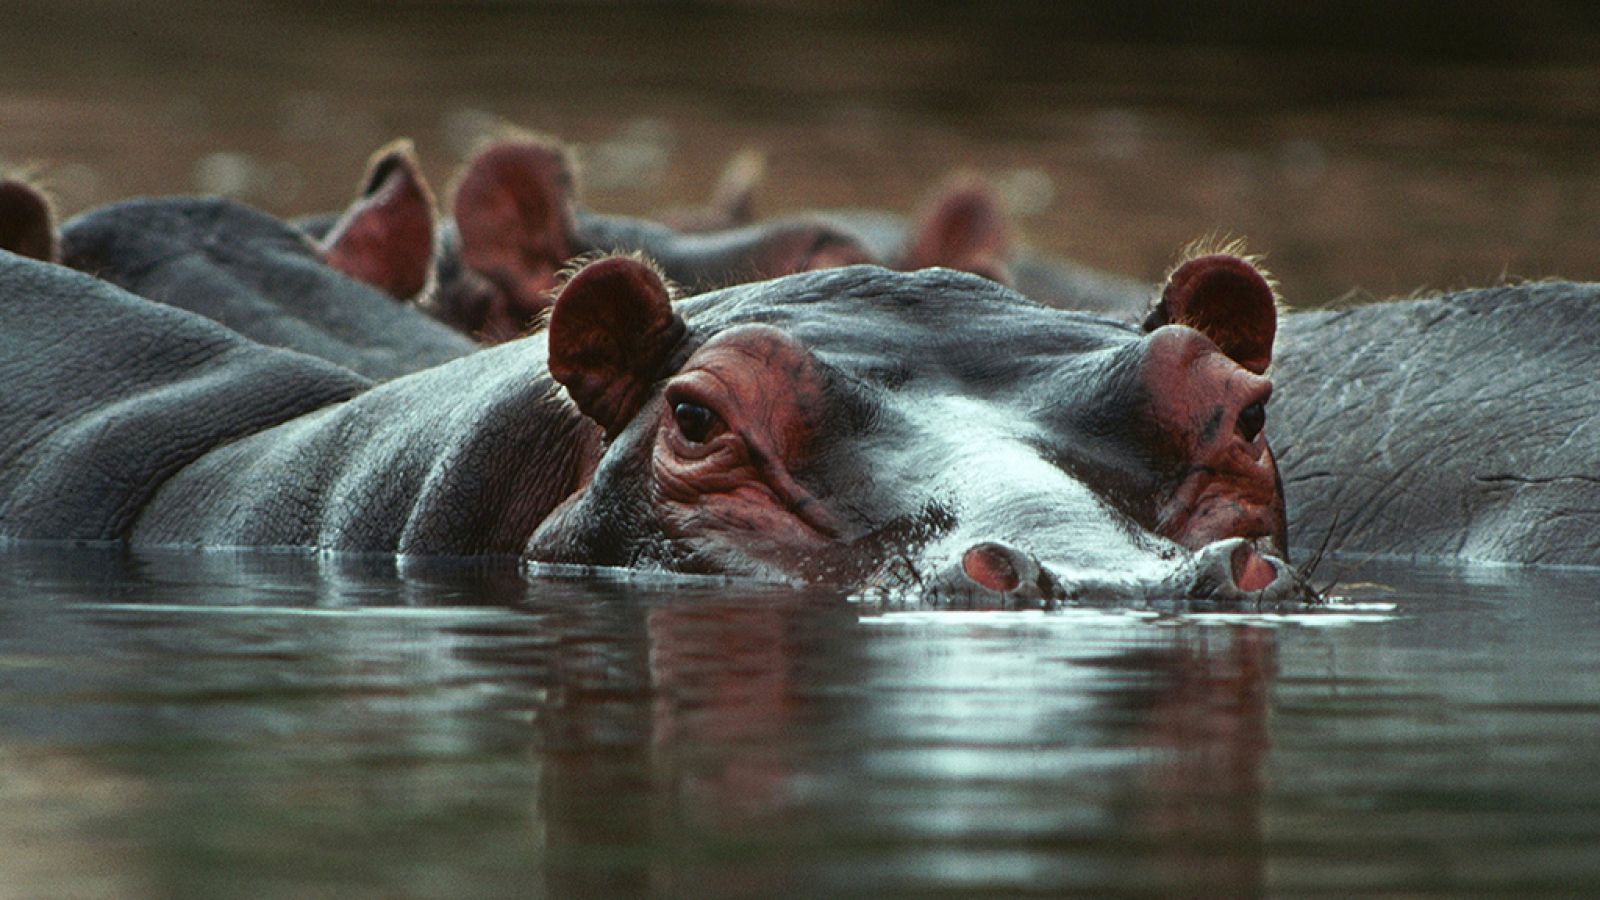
[[852, 426], [338, 298], [1463, 426]]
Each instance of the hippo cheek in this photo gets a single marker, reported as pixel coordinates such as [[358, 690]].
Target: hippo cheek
[[1235, 492], [742, 530]]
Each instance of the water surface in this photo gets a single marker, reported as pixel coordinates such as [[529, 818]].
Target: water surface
[[250, 725]]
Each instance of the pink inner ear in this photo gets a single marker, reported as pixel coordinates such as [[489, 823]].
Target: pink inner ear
[[1226, 299], [385, 238], [27, 227], [514, 211], [962, 228], [610, 333]]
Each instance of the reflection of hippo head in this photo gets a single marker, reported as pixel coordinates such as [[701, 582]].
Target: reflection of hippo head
[[859, 427]]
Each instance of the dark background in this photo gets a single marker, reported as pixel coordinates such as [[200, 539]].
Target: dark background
[[1361, 146]]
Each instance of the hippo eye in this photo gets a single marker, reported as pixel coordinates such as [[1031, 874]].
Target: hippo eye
[[1251, 420], [695, 422]]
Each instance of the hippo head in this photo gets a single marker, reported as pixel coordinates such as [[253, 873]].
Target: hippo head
[[518, 227], [929, 430]]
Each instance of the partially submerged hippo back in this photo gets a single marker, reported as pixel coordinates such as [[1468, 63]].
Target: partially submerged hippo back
[[932, 432], [108, 395], [336, 299], [1463, 426]]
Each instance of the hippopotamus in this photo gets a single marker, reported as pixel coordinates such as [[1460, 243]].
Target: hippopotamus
[[931, 432], [516, 226], [257, 275], [1462, 426], [962, 225]]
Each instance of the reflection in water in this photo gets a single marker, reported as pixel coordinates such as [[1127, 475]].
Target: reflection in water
[[260, 725]]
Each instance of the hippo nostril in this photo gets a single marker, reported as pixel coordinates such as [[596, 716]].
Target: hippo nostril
[[1236, 570], [994, 566], [1251, 572]]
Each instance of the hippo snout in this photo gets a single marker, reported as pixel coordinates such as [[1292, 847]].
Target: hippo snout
[[1228, 573]]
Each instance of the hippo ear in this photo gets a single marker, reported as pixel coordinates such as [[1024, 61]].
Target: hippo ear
[[27, 225], [385, 238], [514, 211], [611, 331], [733, 200], [734, 197], [961, 227], [1226, 299]]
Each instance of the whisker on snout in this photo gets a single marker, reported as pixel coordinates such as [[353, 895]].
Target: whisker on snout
[[1303, 574]]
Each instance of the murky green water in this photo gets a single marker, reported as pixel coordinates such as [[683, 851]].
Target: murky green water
[[268, 726]]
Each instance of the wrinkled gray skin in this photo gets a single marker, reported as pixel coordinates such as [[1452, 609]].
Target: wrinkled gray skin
[[127, 420], [1464, 426], [258, 276], [1041, 278], [109, 395]]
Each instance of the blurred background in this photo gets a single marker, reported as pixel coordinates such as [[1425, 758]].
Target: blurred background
[[1367, 148]]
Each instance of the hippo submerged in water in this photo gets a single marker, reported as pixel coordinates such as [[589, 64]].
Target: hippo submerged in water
[[516, 225], [853, 427], [337, 298], [1461, 426]]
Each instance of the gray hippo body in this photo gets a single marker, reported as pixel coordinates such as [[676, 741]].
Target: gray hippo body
[[1465, 426], [338, 299], [256, 275], [853, 426]]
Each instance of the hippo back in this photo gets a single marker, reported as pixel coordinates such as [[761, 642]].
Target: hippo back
[[96, 414], [1461, 426], [258, 276]]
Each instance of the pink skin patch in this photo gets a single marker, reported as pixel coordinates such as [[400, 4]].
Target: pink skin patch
[[385, 238], [1251, 572], [514, 210], [963, 228], [726, 481], [992, 566], [1228, 485], [609, 334], [1229, 300]]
